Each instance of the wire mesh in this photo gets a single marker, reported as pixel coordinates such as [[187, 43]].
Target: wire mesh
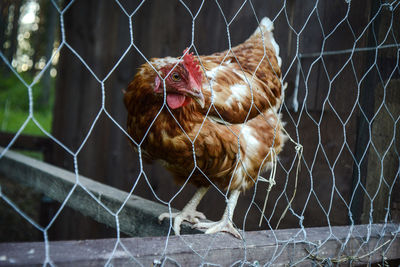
[[325, 123]]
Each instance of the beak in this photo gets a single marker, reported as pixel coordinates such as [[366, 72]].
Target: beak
[[197, 96], [195, 92]]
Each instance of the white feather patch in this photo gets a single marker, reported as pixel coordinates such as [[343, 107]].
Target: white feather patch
[[266, 24], [161, 62], [212, 74], [276, 48], [252, 146], [251, 141], [267, 27], [238, 93]]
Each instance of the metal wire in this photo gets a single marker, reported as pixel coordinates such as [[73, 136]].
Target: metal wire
[[301, 111]]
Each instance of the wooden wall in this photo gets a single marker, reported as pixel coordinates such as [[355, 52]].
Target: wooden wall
[[326, 123]]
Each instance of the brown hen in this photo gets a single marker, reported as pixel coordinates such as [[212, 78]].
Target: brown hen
[[211, 120]]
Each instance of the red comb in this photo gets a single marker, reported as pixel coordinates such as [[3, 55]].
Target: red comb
[[191, 64]]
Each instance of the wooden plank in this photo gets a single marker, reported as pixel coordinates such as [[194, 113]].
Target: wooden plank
[[383, 158], [260, 248], [26, 142], [366, 101], [137, 218]]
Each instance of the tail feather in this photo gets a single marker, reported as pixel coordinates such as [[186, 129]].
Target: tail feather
[[267, 26]]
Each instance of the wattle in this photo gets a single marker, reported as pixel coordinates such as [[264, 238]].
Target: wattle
[[175, 101]]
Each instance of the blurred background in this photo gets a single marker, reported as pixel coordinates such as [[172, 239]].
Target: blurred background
[[342, 103]]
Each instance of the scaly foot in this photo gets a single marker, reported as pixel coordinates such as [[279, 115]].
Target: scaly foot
[[223, 225], [191, 216]]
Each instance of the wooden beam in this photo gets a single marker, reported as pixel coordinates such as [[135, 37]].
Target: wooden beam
[[280, 247], [26, 142], [138, 217]]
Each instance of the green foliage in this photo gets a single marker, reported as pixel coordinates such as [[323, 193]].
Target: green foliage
[[12, 120], [14, 105], [13, 93]]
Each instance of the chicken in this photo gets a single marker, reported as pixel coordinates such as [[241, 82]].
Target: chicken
[[210, 120]]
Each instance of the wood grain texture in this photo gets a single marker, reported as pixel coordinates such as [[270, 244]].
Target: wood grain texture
[[137, 217], [194, 250]]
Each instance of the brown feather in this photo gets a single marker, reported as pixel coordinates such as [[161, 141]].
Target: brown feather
[[246, 117]]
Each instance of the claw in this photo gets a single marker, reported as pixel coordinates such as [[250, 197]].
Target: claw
[[189, 216], [188, 213], [220, 226], [225, 224], [164, 216]]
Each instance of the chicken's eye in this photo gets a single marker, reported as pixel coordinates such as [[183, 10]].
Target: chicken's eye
[[176, 77]]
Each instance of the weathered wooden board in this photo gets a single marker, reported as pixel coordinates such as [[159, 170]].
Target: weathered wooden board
[[26, 142], [383, 158], [137, 217], [259, 248], [371, 123]]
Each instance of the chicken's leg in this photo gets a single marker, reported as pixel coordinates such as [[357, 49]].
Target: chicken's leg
[[188, 213], [225, 224]]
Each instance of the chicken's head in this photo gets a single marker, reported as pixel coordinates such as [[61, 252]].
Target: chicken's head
[[183, 82]]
